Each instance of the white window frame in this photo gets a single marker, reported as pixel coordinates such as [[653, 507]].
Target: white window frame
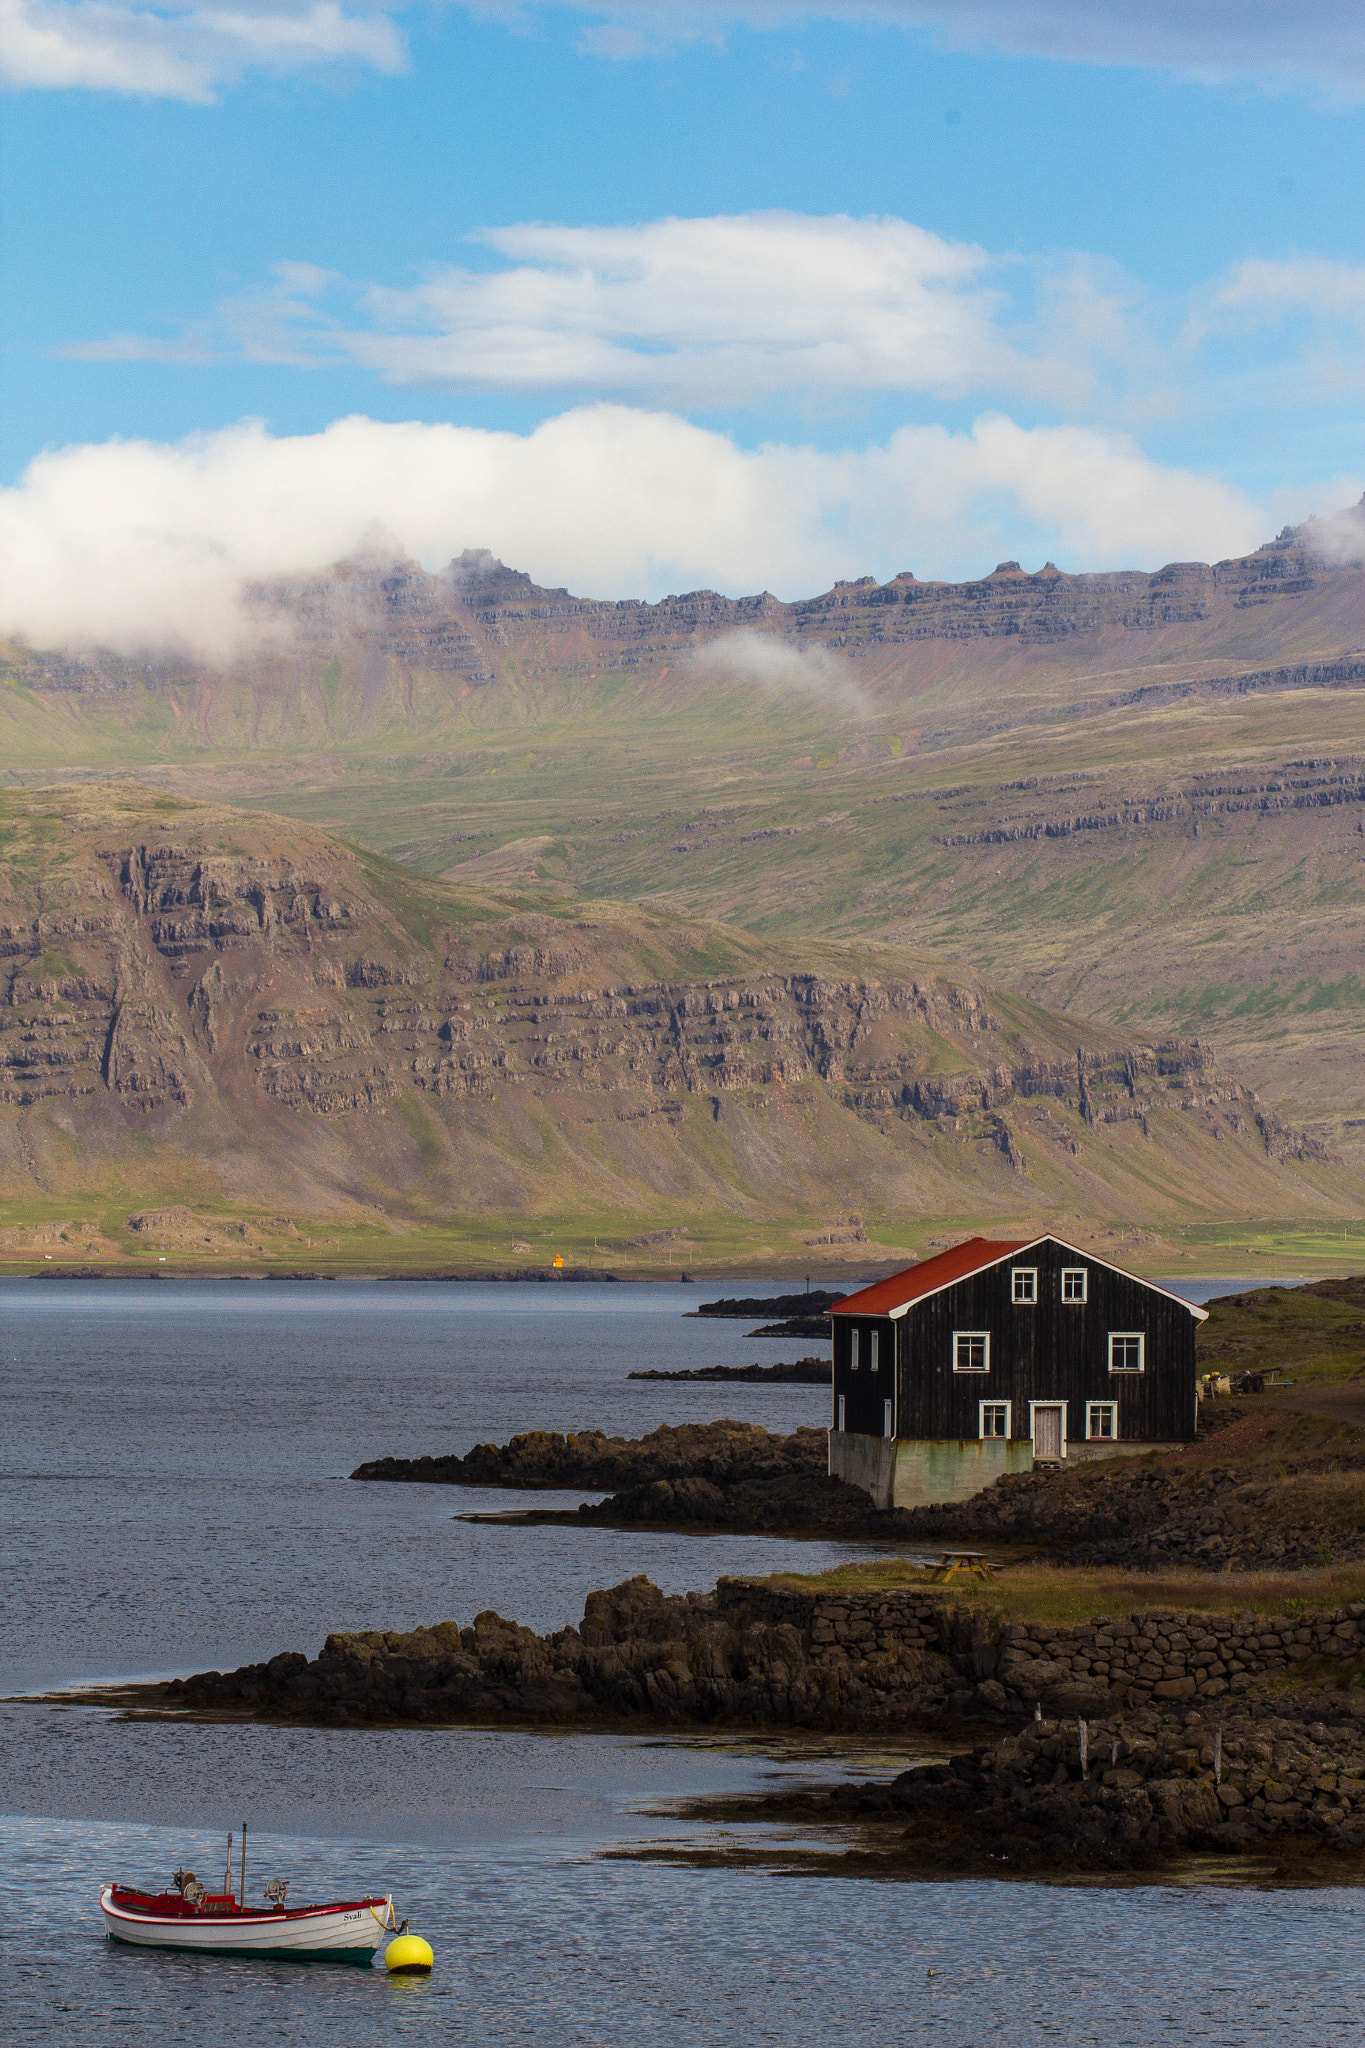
[[981, 1408], [985, 1338], [1092, 1408], [888, 1419], [1127, 1336], [874, 1351], [842, 1414], [1081, 1273], [1029, 1276], [853, 1350], [1032, 1427]]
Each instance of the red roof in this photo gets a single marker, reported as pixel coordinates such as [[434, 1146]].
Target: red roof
[[898, 1290]]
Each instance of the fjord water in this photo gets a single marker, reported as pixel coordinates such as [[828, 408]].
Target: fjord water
[[173, 1459]]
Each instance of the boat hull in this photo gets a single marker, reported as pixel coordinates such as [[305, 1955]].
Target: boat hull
[[314, 1934]]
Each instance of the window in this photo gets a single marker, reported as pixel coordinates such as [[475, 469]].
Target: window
[[853, 1350], [1074, 1280], [1125, 1351], [888, 1428], [971, 1351], [843, 1405], [995, 1418], [1024, 1283], [1101, 1421], [874, 1345]]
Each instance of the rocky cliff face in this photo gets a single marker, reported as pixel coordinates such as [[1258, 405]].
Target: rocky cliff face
[[478, 622], [238, 987]]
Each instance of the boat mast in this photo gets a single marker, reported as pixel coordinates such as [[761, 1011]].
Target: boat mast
[[244, 1866], [227, 1868]]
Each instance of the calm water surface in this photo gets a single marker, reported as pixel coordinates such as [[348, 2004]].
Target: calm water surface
[[172, 1458]]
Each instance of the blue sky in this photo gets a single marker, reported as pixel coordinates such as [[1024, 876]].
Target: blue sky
[[742, 301]]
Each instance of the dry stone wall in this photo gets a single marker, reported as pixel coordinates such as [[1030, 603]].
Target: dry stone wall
[[1091, 1666]]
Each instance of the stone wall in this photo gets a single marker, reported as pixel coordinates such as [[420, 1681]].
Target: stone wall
[[1088, 1667]]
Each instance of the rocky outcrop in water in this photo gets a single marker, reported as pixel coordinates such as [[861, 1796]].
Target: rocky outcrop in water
[[805, 1372], [1282, 1776], [1121, 1743], [759, 1651], [638, 1654], [801, 1504], [719, 1453]]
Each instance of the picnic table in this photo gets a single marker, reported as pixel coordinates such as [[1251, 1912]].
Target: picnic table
[[960, 1564]]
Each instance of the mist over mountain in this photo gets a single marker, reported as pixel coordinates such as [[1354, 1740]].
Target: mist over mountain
[[1136, 795]]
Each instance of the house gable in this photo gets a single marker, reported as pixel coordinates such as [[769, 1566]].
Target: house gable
[[1017, 1327]]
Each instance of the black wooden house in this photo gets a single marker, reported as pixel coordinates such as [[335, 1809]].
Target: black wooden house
[[995, 1356]]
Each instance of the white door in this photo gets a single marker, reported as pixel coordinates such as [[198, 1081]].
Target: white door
[[1047, 1430]]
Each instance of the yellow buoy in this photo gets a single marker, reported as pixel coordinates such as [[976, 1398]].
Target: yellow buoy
[[407, 1955]]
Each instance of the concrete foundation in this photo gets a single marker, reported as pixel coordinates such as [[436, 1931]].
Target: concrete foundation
[[916, 1475], [866, 1461]]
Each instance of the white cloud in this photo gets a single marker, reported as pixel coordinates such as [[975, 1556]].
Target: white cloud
[[710, 313], [721, 309], [135, 544], [185, 52], [785, 308], [1320, 43], [777, 669], [1265, 291], [612, 39], [189, 52]]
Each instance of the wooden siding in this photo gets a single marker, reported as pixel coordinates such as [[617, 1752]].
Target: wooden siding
[[1047, 1350], [864, 1390]]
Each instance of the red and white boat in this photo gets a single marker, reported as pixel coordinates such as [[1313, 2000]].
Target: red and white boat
[[219, 1923]]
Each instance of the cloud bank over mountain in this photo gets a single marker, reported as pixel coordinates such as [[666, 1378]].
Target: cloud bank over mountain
[[131, 544]]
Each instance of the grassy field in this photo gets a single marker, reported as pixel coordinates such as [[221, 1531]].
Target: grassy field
[[1315, 1335], [60, 1236], [1058, 1594]]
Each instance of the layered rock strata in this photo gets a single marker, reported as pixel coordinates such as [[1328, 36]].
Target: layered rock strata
[[158, 965], [467, 623]]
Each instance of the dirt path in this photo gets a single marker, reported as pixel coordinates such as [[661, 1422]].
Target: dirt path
[[1338, 1404]]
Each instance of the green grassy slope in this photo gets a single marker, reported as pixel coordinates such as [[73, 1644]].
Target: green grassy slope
[[1222, 889]]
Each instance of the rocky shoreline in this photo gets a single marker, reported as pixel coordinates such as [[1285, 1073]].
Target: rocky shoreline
[[707, 1475], [1258, 1780], [1216, 1505], [720, 1452], [1107, 1744], [801, 1372]]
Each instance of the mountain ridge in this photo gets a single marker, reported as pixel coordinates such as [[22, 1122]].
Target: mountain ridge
[[1157, 823], [203, 1009]]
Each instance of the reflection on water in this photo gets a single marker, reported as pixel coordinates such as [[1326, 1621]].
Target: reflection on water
[[172, 1462], [552, 1944], [173, 1457]]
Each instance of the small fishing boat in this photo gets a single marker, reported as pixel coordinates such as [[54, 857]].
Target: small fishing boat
[[221, 1923]]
